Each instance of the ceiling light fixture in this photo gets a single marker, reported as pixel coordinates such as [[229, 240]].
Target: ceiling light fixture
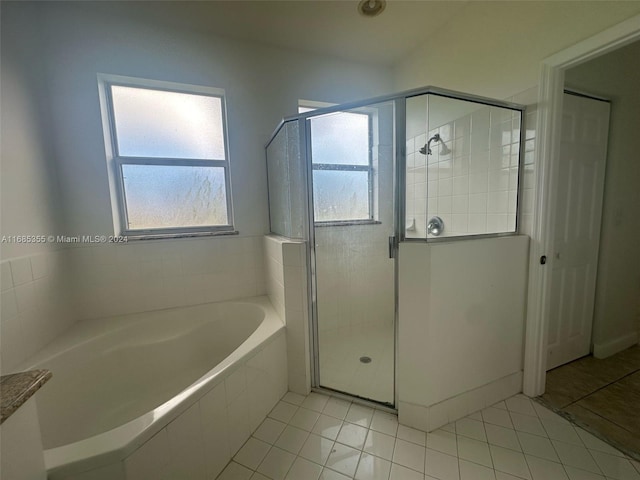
[[371, 8]]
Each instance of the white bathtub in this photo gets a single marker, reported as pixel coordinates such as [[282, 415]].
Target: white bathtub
[[169, 394]]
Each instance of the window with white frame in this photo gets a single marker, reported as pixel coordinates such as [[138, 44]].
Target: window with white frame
[[168, 157], [342, 166]]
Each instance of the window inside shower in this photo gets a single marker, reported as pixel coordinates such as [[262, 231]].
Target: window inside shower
[[342, 168]]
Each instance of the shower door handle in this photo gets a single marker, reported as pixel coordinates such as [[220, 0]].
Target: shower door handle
[[393, 246]]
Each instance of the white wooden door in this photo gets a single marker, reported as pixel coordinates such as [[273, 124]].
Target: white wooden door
[[583, 154]]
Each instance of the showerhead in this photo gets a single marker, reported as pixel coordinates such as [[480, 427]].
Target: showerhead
[[444, 150]]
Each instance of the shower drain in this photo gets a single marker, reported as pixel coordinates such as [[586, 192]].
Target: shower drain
[[365, 359]]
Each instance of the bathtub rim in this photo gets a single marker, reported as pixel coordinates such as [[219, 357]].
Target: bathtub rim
[[119, 443]]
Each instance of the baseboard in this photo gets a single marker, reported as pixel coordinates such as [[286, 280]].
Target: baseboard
[[429, 418], [604, 350]]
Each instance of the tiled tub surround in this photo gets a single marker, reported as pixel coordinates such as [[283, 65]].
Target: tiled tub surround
[[45, 294], [167, 386], [117, 279], [326, 438], [35, 305]]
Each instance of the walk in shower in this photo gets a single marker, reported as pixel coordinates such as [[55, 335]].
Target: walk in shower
[[355, 180]]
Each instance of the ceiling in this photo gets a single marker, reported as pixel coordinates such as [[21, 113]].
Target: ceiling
[[333, 28]]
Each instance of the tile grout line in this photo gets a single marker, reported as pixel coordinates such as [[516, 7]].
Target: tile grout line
[[551, 440], [623, 449], [560, 462], [564, 466], [577, 422], [484, 429], [585, 447], [524, 455]]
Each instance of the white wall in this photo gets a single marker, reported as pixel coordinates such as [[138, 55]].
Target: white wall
[[617, 310], [261, 85], [496, 51], [51, 129], [29, 200], [35, 306]]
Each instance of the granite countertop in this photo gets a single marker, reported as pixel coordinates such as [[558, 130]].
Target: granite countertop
[[17, 388]]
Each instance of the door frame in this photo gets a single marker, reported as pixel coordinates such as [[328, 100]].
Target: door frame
[[550, 98]]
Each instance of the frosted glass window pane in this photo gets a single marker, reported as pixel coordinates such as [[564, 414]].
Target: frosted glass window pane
[[174, 196], [279, 184], [340, 195], [341, 138], [157, 123], [297, 182]]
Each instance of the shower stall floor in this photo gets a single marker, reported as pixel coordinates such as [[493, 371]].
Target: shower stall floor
[[343, 361]]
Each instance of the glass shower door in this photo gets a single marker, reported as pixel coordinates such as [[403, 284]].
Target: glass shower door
[[352, 167]]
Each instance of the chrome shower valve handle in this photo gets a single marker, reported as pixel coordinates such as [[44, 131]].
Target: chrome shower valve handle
[[435, 226]]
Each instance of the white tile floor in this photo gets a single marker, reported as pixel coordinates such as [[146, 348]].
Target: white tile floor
[[326, 438]]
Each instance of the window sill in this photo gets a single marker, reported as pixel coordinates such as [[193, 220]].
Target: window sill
[[347, 223], [165, 236]]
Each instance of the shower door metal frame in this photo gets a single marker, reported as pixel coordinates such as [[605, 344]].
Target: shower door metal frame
[[399, 104], [305, 136]]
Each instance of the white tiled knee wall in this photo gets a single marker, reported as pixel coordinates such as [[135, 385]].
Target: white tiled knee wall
[[286, 278]]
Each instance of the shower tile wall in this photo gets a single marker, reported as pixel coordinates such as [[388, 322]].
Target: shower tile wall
[[473, 188], [529, 98]]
